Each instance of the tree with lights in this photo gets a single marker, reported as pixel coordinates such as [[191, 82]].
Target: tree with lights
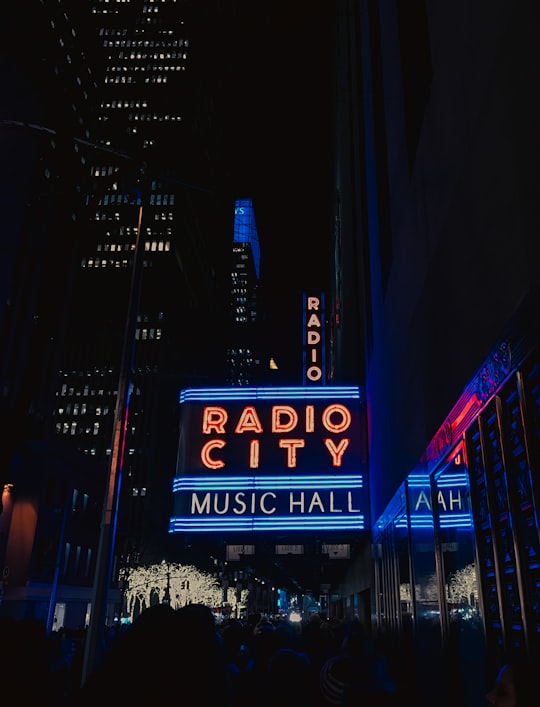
[[174, 584]]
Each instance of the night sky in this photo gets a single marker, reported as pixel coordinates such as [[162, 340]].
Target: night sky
[[283, 66], [282, 134]]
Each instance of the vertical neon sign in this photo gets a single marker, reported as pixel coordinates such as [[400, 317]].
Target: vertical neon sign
[[313, 333]]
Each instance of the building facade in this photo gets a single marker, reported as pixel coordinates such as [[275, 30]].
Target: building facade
[[436, 226]]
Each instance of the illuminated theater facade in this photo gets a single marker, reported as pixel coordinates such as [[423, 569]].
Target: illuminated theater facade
[[270, 459]]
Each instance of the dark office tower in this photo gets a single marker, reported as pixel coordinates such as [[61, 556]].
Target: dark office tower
[[48, 90], [243, 359], [143, 305]]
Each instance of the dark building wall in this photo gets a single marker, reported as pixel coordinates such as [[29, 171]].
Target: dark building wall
[[448, 198]]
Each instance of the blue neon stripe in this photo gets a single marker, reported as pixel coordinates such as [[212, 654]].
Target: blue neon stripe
[[452, 480], [260, 523], [215, 483], [449, 480], [300, 393], [454, 520]]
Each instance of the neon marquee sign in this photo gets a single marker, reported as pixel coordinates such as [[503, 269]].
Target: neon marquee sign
[[287, 458]]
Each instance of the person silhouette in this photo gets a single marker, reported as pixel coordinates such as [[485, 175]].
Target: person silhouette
[[516, 684]]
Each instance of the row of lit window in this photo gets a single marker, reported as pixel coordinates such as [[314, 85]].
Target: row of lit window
[[154, 117], [144, 43], [106, 171], [107, 32], [149, 67], [92, 452], [147, 80], [115, 247], [148, 334], [162, 199], [146, 317], [114, 32], [120, 263], [67, 390], [240, 362], [149, 246], [120, 79], [161, 56], [124, 104], [73, 428], [115, 199], [107, 216], [124, 230], [96, 263], [82, 409], [158, 246]]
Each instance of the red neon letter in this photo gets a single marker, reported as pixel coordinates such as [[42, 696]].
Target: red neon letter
[[214, 419], [249, 421], [254, 454], [291, 445], [345, 418], [310, 418], [314, 373], [338, 451], [277, 424], [205, 454]]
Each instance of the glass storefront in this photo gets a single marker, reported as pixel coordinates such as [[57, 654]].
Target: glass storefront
[[457, 551]]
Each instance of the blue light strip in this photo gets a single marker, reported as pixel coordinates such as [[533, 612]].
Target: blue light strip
[[418, 480], [298, 393], [216, 483], [451, 520], [260, 523], [455, 520], [448, 480]]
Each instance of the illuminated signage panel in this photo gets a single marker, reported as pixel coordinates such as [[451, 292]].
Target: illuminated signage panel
[[452, 501], [314, 363], [265, 459]]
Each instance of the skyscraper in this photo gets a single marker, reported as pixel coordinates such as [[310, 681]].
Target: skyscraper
[[243, 359], [144, 240], [140, 186]]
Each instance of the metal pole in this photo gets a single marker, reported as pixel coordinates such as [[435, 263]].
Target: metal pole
[[59, 551], [104, 561]]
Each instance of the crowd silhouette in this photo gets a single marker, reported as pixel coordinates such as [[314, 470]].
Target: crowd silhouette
[[186, 656]]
